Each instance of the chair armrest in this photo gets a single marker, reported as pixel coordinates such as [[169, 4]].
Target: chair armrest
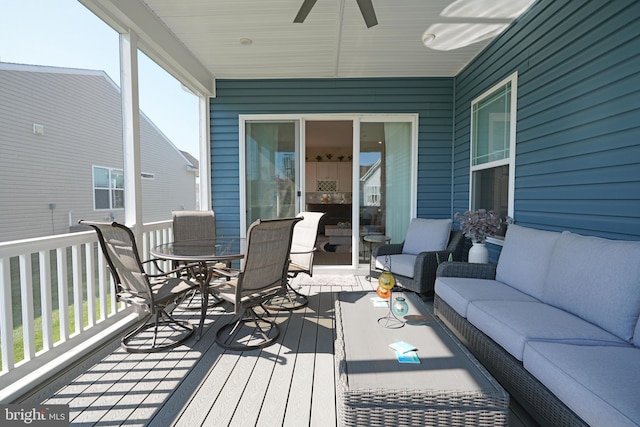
[[424, 269], [156, 264], [303, 252], [466, 269], [177, 269], [228, 273], [388, 249]]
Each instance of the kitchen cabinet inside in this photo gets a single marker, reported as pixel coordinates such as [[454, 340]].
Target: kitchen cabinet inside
[[328, 176], [344, 176]]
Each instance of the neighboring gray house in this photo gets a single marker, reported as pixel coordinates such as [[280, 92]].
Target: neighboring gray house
[[62, 154], [370, 181]]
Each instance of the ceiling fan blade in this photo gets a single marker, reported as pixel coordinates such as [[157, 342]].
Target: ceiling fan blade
[[306, 7], [369, 15]]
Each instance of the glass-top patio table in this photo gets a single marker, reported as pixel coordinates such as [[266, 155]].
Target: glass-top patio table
[[198, 255]]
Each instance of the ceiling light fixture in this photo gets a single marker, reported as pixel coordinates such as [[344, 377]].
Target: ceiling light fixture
[[244, 41], [427, 37]]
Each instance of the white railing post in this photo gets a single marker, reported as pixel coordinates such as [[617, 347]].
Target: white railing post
[[102, 288], [26, 298], [6, 314], [45, 299], [76, 263], [63, 295], [91, 286]]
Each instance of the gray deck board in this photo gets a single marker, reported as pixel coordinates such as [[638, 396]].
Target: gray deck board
[[226, 403], [190, 377], [323, 406], [299, 399], [276, 395], [250, 404], [289, 383]]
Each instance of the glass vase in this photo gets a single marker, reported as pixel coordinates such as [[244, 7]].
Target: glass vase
[[400, 307]]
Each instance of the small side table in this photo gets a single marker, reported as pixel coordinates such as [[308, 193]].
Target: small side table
[[371, 239]]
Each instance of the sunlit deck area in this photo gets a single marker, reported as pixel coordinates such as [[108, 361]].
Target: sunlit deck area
[[289, 383]]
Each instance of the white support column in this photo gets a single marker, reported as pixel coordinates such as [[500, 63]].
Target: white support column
[[205, 154], [131, 131]]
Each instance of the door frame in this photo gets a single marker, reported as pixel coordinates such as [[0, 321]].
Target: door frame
[[356, 118]]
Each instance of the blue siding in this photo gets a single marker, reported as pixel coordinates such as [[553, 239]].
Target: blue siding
[[431, 99], [578, 129]]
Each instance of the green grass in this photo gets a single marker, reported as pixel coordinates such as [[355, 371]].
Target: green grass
[[18, 338]]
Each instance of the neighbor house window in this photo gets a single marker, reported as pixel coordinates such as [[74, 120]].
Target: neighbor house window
[[493, 119], [108, 188]]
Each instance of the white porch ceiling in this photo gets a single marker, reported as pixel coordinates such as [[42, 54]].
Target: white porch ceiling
[[200, 40]]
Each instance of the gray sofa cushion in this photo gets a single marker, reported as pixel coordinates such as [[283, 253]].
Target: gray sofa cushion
[[458, 292], [636, 335], [512, 323], [402, 264], [601, 384], [426, 235], [525, 257], [598, 280]]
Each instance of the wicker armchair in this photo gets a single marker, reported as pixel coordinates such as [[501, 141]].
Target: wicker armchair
[[426, 263]]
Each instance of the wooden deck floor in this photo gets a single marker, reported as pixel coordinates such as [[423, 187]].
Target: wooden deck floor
[[290, 383]]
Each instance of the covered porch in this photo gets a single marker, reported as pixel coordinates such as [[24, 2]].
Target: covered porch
[[577, 169]]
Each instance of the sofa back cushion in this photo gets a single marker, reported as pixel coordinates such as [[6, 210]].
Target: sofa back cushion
[[524, 260], [636, 335], [426, 235], [598, 280]]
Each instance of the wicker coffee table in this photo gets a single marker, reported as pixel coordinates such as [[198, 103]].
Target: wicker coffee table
[[448, 386]]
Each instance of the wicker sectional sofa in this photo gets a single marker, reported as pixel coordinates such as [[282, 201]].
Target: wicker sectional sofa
[[556, 321]]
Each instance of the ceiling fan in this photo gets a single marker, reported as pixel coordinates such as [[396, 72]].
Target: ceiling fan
[[366, 8]]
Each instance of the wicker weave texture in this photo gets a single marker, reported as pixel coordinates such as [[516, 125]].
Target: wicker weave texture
[[382, 416], [424, 407], [465, 269]]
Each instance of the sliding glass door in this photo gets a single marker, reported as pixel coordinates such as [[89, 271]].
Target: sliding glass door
[[271, 169], [375, 164], [387, 189]]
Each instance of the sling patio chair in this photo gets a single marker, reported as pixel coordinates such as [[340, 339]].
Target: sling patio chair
[[263, 275], [303, 248], [195, 225], [157, 294]]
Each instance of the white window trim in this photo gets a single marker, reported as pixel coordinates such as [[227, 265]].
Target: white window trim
[[93, 187], [511, 160]]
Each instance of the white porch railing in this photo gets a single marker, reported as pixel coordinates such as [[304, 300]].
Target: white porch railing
[[56, 288]]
